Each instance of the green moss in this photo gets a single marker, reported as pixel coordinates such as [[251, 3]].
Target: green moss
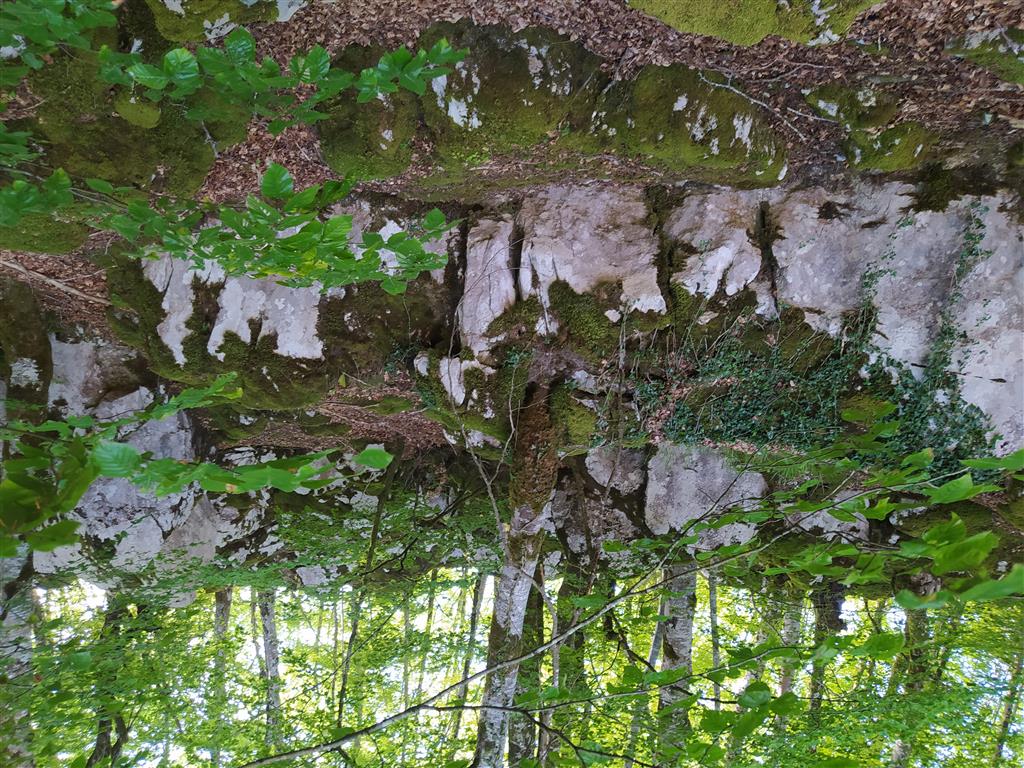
[[137, 111], [684, 121], [362, 329], [1003, 55], [200, 15], [39, 233], [85, 136], [855, 109], [582, 318], [538, 96], [747, 22], [575, 424], [374, 139], [513, 91], [894, 149], [23, 336]]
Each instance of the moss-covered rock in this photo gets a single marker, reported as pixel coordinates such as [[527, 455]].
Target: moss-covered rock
[[85, 134], [999, 51], [40, 233], [895, 149], [854, 108], [194, 20], [747, 22], [538, 96]]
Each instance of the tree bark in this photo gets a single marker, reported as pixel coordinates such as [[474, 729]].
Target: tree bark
[[271, 653], [221, 623], [828, 603], [511, 595], [534, 471], [467, 660], [915, 668], [16, 650], [641, 706], [716, 648], [522, 730], [677, 652], [1009, 708]]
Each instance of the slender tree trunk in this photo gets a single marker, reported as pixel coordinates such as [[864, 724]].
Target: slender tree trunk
[[511, 595], [792, 619], [575, 583], [467, 660], [641, 708], [221, 622], [915, 666], [828, 602], [534, 471], [428, 627], [716, 649], [677, 651], [111, 729], [522, 730], [271, 653], [1009, 709], [16, 645]]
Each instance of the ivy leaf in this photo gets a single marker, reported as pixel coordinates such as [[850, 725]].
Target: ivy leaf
[[277, 183], [116, 459], [374, 458]]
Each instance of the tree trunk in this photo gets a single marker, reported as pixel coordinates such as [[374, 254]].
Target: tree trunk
[[221, 622], [511, 595], [534, 471], [1009, 708], [641, 706], [716, 648], [677, 651], [467, 661], [792, 618], [428, 627], [828, 603], [16, 650], [272, 656], [915, 668], [522, 730]]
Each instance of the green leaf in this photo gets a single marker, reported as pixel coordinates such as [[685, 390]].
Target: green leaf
[[116, 459], [99, 185], [837, 762], [756, 694], [80, 660], [374, 458], [993, 589], [276, 183], [908, 601], [49, 538], [958, 489], [1014, 462], [240, 46], [964, 555], [149, 76], [885, 645]]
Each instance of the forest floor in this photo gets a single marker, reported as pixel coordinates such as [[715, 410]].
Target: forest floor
[[946, 93]]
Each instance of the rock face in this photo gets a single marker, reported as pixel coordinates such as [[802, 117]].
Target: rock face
[[588, 236], [687, 484], [290, 314], [488, 286]]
